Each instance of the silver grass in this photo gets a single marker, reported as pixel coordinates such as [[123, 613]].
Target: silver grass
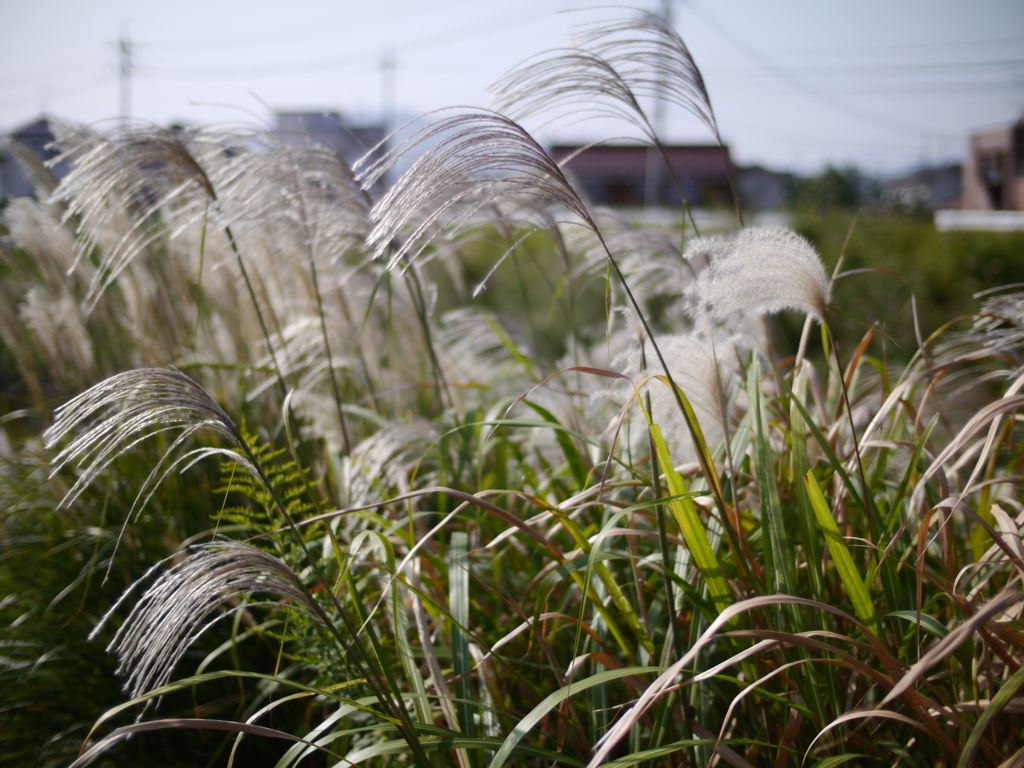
[[121, 183], [475, 159], [611, 67], [708, 372], [383, 463], [470, 347], [126, 409], [56, 325], [36, 228], [652, 58], [650, 259], [576, 82], [370, 343], [310, 185], [299, 199], [761, 269], [997, 330], [301, 344], [515, 219], [178, 607]]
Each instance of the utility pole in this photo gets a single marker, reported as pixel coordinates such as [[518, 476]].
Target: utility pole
[[125, 52], [653, 173]]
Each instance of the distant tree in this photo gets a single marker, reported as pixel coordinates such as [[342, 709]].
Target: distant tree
[[835, 187]]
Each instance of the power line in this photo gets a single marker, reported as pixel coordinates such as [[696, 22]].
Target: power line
[[785, 76], [471, 30], [882, 69], [944, 45], [25, 80], [327, 26], [78, 85]]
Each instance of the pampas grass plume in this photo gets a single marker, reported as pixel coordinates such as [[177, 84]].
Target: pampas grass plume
[[763, 269], [177, 608]]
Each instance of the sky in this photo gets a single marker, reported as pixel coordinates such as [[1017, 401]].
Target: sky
[[887, 85]]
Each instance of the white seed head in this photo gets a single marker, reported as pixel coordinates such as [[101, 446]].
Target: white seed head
[[126, 409], [178, 607], [764, 269]]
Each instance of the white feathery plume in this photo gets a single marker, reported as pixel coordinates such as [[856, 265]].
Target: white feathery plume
[[473, 158], [515, 219], [119, 182], [303, 184], [650, 259], [576, 82], [997, 330], [126, 409], [706, 368], [764, 269], [58, 327], [609, 69], [36, 228], [469, 345], [384, 459], [177, 608], [653, 60]]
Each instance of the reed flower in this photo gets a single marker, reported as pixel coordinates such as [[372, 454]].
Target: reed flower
[[762, 269], [997, 331], [610, 68], [120, 184], [706, 371], [181, 604], [126, 409], [471, 161]]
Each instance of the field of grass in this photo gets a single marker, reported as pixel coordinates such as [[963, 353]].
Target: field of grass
[[632, 498]]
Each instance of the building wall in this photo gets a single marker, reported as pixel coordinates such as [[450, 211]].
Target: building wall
[[994, 170], [617, 175]]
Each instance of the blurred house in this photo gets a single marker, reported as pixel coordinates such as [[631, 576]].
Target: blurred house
[[618, 175], [993, 176], [763, 190], [926, 190], [632, 175], [21, 153], [349, 141]]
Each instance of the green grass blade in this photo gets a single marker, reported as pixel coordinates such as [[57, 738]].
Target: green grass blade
[[999, 701], [456, 742], [458, 597], [691, 527], [538, 713], [837, 760], [779, 559], [800, 466], [822, 441], [929, 623], [513, 350], [845, 566], [418, 690]]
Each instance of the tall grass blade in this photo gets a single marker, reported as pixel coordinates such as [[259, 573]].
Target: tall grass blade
[[690, 526], [462, 662], [847, 570], [526, 724], [778, 551]]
